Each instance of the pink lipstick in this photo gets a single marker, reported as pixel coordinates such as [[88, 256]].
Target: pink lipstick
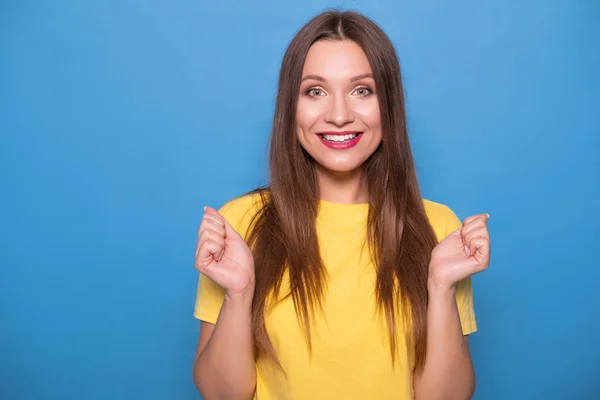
[[340, 140]]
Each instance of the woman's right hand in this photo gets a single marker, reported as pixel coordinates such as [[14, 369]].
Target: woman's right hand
[[223, 255]]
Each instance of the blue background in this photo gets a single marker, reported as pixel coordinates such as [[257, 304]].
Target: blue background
[[120, 120]]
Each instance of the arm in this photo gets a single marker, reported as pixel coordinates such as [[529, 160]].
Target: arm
[[224, 364], [448, 371]]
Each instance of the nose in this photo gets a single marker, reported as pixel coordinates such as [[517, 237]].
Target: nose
[[339, 111]]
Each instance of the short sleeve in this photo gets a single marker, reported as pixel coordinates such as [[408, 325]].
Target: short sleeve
[[464, 290], [209, 299]]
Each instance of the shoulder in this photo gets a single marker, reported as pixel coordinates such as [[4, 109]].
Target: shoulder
[[442, 218], [241, 211]]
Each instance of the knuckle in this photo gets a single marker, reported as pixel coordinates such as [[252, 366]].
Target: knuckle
[[215, 220], [213, 244], [205, 221], [203, 235], [210, 235]]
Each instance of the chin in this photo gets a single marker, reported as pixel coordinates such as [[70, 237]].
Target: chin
[[340, 167]]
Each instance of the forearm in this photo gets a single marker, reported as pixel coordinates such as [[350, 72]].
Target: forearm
[[225, 369], [448, 372]]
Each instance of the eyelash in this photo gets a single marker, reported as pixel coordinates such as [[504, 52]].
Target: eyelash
[[308, 91]]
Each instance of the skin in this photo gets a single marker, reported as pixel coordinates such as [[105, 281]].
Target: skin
[[337, 94], [448, 372], [224, 362]]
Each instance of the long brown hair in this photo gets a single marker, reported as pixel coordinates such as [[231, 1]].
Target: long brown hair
[[283, 236]]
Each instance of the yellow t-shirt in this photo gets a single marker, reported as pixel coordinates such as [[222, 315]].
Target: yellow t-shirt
[[351, 354]]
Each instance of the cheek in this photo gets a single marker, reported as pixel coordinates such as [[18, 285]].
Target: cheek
[[368, 112], [307, 114]]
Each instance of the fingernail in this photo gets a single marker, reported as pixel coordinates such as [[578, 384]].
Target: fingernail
[[204, 208], [488, 216]]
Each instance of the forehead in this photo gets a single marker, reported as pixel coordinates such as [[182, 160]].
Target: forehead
[[336, 59]]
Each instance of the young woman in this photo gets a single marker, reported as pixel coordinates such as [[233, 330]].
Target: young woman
[[338, 280]]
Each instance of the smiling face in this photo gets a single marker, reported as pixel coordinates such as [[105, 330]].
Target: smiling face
[[338, 120]]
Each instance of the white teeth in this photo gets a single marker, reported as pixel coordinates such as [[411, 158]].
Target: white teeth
[[340, 138]]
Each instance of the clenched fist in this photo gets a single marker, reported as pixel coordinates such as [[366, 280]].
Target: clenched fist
[[463, 253], [223, 255]]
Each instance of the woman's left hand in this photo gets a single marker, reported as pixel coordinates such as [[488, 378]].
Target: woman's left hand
[[463, 253]]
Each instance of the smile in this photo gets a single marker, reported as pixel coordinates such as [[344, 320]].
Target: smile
[[340, 140]]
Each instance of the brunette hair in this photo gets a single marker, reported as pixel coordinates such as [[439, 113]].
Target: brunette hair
[[283, 236]]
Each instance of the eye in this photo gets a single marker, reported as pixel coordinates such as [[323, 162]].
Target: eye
[[315, 92], [362, 91]]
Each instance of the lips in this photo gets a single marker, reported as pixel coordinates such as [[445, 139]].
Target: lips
[[340, 140]]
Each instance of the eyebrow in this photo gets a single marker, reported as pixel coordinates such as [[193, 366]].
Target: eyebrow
[[321, 79]]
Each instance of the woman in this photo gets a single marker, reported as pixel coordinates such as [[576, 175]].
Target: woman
[[337, 280]]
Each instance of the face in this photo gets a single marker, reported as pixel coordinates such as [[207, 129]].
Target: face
[[338, 121]]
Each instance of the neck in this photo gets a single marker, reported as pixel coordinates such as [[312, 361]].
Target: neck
[[342, 187]]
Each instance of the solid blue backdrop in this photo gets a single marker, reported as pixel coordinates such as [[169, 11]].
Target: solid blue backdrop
[[120, 120]]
